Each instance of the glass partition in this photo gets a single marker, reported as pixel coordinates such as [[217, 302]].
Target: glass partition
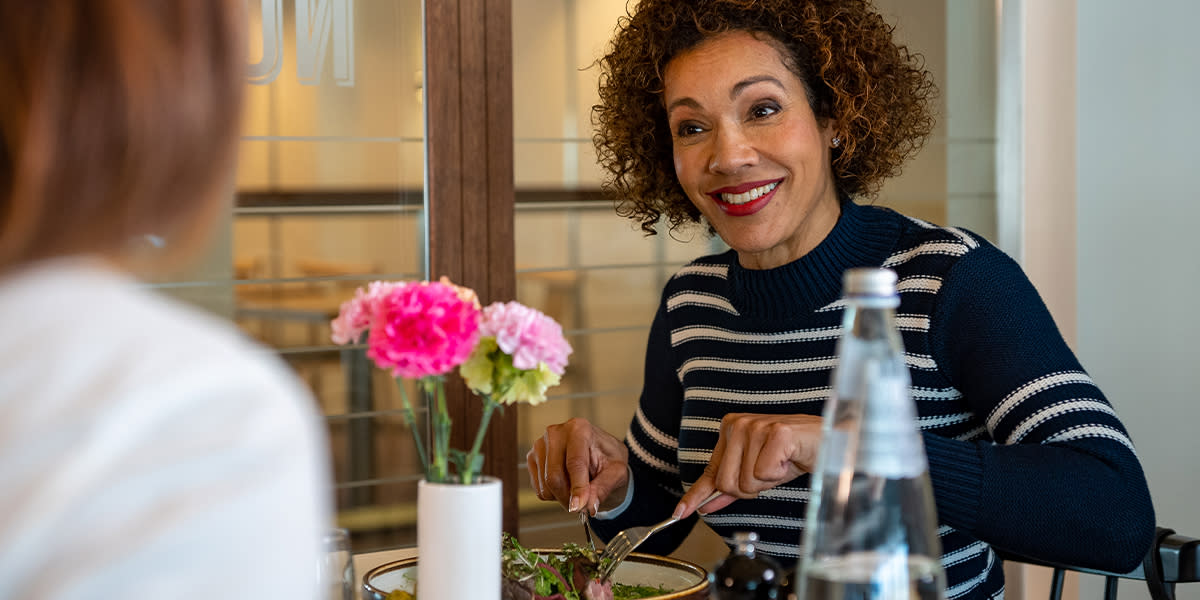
[[329, 195]]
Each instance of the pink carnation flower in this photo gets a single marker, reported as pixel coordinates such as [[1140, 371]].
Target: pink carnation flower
[[422, 329], [354, 317], [527, 335]]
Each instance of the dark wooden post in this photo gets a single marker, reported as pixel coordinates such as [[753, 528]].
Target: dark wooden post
[[469, 152]]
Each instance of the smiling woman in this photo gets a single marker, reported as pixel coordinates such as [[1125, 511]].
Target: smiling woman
[[770, 120]]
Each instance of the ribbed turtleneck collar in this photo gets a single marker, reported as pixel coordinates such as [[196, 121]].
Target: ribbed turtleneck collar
[[863, 236]]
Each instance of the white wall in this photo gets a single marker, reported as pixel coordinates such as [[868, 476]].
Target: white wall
[[1138, 207]]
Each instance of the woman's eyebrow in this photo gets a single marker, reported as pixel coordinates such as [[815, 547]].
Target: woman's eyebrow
[[684, 101], [741, 86], [738, 88]]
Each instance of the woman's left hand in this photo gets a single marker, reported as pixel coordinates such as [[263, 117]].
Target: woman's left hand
[[754, 452]]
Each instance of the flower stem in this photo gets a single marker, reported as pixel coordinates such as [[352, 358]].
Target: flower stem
[[488, 407], [441, 430], [410, 419]]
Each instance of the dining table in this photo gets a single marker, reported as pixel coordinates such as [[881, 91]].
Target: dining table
[[366, 561]]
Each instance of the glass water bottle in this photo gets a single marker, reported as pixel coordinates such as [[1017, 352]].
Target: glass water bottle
[[871, 528]]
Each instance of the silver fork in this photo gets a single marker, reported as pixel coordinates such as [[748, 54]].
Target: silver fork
[[587, 529], [624, 543]]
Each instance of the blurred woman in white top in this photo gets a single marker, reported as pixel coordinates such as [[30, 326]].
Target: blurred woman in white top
[[147, 450]]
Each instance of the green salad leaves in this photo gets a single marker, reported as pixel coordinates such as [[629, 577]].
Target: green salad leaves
[[551, 573], [564, 572]]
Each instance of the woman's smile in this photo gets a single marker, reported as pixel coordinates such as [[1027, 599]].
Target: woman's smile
[[745, 199]]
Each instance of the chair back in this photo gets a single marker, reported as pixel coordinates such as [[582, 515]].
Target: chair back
[[1173, 559]]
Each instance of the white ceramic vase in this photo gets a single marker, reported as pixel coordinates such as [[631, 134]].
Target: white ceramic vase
[[458, 540]]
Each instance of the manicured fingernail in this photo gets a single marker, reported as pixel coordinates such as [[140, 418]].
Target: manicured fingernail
[[595, 508], [574, 504], [678, 512]]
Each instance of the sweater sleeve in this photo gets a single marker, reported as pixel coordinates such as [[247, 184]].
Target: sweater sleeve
[[1059, 478], [653, 443]]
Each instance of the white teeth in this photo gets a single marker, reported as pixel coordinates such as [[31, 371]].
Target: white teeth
[[748, 195]]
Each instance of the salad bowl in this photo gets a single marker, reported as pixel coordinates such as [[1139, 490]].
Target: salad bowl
[[683, 580]]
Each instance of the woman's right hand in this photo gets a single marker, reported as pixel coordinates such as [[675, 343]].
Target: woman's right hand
[[754, 452], [580, 465]]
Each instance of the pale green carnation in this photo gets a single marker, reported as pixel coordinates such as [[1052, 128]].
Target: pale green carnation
[[529, 386], [478, 368], [489, 371]]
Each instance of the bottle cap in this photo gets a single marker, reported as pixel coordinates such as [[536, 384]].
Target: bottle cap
[[745, 540], [869, 282]]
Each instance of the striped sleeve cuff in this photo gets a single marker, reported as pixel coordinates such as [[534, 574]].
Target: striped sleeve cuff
[[956, 472]]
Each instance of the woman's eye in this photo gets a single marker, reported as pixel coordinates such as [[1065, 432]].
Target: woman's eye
[[762, 111], [687, 129]]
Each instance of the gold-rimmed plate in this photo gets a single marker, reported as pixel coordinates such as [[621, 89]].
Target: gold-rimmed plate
[[687, 581]]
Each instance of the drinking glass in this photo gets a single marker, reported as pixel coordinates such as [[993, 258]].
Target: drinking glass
[[336, 571]]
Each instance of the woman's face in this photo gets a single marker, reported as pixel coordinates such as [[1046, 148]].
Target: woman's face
[[748, 150]]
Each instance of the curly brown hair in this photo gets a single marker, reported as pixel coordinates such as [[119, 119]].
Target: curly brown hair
[[877, 91]]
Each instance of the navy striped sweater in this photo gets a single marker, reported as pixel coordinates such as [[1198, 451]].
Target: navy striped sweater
[[1026, 455]]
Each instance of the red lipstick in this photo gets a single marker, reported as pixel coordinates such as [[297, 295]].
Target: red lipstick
[[748, 208]]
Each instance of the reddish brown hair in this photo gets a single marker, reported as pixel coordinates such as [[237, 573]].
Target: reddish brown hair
[[118, 119], [855, 74]]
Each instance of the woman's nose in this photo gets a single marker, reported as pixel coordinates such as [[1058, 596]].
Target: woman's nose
[[731, 150]]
